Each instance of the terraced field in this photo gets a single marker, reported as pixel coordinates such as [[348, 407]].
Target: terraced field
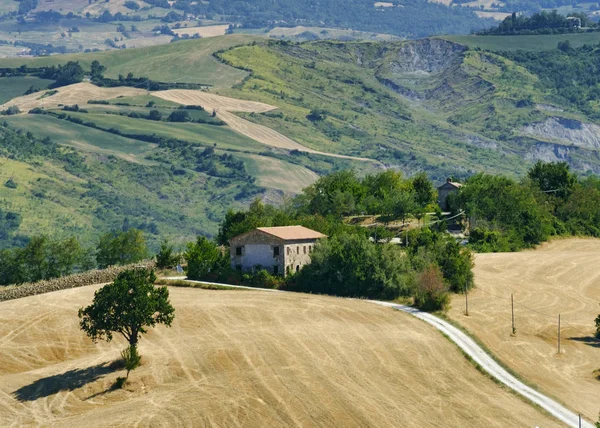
[[248, 359], [561, 277]]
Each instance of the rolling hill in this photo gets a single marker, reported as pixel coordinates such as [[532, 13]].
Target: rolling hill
[[246, 358], [301, 110]]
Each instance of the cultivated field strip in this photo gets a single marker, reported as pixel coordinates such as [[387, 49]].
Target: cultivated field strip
[[78, 93], [561, 277], [225, 107], [247, 359]]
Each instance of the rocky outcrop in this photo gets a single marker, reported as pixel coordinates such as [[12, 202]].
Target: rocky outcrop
[[569, 131], [426, 56]]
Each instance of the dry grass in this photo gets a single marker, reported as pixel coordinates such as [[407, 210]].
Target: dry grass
[[208, 31], [79, 93], [250, 359], [560, 277], [225, 107]]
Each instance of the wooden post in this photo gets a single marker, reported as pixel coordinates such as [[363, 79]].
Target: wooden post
[[559, 333], [467, 297], [512, 306]]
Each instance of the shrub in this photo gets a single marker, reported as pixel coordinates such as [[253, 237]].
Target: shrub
[[432, 291], [263, 279], [598, 327], [131, 359]]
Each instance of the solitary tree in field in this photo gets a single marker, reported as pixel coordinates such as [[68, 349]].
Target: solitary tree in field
[[128, 306]]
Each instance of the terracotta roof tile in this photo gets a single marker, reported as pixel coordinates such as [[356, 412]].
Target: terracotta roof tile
[[291, 233]]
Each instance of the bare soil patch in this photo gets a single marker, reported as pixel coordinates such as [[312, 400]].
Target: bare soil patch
[[249, 359], [561, 277]]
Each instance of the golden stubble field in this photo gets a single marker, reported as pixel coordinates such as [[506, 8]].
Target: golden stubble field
[[78, 93], [561, 277], [246, 359]]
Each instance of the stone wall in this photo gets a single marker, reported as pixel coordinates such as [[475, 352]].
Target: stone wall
[[72, 281]]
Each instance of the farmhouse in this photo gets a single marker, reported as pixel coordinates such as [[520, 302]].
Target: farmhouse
[[444, 190], [279, 250]]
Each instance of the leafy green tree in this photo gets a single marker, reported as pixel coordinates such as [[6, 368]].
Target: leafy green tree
[[423, 188], [98, 70], [350, 265], [121, 248], [598, 327], [128, 306], [154, 115], [68, 74], [203, 258], [131, 358], [179, 116], [166, 258], [554, 178]]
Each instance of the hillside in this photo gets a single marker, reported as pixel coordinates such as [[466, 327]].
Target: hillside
[[278, 114], [561, 277], [250, 359]]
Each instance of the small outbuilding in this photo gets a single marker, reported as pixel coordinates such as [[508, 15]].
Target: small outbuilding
[[279, 250], [444, 190]]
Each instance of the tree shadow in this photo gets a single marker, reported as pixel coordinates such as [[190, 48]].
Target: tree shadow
[[588, 340], [68, 381]]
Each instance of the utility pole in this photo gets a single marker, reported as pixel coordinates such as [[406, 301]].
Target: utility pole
[[559, 333], [467, 297], [512, 305]]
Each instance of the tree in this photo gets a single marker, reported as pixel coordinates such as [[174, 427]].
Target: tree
[[598, 327], [97, 70], [179, 116], [67, 74], [128, 306], [121, 248], [432, 291], [165, 257], [203, 258], [424, 192], [554, 178], [154, 115]]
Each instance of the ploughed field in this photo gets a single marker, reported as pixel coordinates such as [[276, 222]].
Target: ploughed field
[[561, 277], [246, 358]]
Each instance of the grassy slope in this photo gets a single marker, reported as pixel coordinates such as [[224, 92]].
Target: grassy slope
[[185, 61], [369, 118], [527, 43], [561, 277], [81, 137], [310, 360], [12, 87]]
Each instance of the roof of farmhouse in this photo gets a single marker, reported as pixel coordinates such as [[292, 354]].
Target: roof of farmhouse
[[292, 233]]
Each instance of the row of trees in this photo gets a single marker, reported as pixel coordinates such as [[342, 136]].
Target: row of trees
[[44, 258], [507, 215], [539, 23]]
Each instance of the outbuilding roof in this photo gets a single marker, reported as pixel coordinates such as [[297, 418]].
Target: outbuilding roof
[[292, 233]]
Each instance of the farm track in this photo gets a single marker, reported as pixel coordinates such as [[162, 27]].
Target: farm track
[[225, 108], [248, 359]]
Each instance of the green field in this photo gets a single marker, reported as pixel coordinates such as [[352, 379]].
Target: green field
[[201, 134], [526, 43], [185, 61], [12, 87], [82, 137]]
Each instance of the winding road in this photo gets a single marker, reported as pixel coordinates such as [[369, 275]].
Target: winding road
[[477, 354]]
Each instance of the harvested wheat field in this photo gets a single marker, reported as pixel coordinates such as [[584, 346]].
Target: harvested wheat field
[[561, 277], [246, 359], [207, 31], [225, 107], [79, 93]]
